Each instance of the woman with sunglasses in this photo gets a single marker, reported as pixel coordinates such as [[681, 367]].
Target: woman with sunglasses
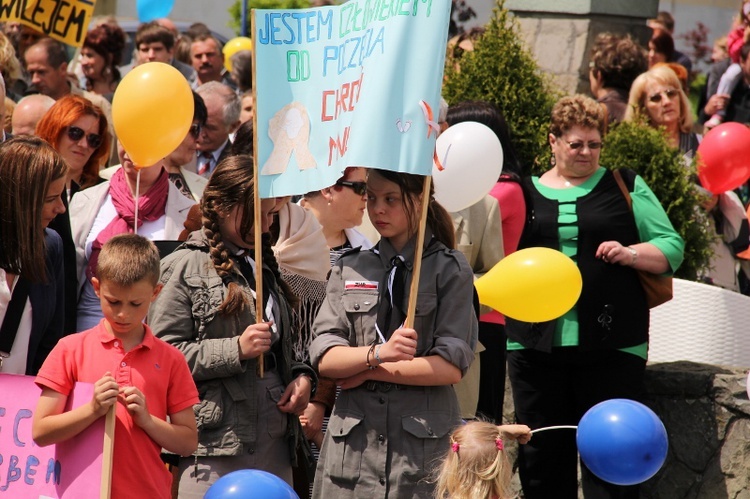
[[108, 209], [190, 184], [78, 131], [339, 209], [596, 351], [657, 96]]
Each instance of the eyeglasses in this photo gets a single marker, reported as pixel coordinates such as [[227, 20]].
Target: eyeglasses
[[359, 188], [76, 134], [195, 130], [578, 144], [669, 93]]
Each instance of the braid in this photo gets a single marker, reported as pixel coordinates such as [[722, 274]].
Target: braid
[[270, 259], [236, 299]]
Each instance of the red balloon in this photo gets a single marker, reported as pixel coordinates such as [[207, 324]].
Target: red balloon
[[724, 157]]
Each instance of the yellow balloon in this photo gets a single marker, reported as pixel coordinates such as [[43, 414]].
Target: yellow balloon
[[531, 285], [152, 111], [233, 46]]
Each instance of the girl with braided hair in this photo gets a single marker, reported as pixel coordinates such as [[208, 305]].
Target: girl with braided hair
[[207, 310]]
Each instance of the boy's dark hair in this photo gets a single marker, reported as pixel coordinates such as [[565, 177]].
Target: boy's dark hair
[[128, 258], [152, 32]]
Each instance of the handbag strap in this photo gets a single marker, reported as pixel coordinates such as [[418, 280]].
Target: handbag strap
[[625, 192], [13, 316]]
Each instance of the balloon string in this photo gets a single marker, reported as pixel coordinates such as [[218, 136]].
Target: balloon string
[[137, 192], [555, 428]]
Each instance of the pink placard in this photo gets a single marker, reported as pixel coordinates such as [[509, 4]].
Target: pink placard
[[72, 469]]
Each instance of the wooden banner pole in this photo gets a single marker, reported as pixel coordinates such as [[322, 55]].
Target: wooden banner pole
[[107, 452], [418, 250], [257, 224]]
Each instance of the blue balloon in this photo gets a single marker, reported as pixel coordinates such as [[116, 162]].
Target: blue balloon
[[148, 10], [250, 484], [622, 441]]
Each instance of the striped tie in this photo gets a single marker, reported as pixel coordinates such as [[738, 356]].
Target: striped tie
[[204, 163]]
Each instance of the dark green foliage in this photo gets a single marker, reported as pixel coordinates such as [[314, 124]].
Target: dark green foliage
[[502, 71], [645, 150]]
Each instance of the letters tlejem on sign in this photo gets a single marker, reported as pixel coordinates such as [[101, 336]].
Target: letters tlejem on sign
[[63, 20], [351, 85], [72, 469]]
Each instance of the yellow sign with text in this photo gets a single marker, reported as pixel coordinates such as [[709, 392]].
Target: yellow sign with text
[[64, 20]]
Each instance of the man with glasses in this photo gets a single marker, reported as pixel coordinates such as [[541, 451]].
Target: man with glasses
[[223, 107]]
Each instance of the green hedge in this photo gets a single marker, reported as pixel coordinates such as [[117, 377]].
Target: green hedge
[[502, 71]]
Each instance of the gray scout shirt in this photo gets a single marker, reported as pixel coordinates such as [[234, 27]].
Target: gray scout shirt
[[383, 439]]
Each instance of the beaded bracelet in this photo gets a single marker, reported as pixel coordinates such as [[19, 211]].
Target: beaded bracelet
[[377, 355]]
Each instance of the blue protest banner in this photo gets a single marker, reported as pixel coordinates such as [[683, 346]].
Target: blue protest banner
[[351, 85]]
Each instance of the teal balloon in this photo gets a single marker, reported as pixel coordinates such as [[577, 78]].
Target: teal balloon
[[622, 441], [250, 484], [148, 10]]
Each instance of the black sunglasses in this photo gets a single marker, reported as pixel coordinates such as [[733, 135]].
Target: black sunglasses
[[671, 92], [195, 130], [359, 188], [75, 134], [579, 145]]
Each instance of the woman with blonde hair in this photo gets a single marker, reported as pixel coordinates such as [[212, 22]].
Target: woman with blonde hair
[[657, 96], [10, 68]]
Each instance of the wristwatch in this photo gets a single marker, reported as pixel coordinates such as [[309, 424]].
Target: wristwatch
[[633, 253]]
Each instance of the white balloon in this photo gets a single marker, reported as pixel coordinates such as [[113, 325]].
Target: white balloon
[[472, 159]]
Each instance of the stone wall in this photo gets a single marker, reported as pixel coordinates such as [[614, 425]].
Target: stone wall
[[707, 415], [706, 412], [560, 34]]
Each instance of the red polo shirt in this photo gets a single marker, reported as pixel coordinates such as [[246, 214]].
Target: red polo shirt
[[158, 369]]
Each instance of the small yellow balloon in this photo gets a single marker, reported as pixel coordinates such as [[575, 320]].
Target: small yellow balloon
[[531, 285], [233, 46], [152, 111]]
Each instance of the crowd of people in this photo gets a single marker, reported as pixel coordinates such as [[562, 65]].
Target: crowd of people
[[327, 384]]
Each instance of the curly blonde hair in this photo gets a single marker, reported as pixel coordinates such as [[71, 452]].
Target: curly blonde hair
[[577, 110], [475, 467]]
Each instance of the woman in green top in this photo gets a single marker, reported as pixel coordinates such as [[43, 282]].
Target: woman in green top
[[597, 351]]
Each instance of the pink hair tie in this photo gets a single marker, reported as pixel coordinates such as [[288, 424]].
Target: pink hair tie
[[499, 443], [455, 446]]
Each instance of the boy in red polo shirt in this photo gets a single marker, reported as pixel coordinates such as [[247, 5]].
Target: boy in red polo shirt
[[144, 377]]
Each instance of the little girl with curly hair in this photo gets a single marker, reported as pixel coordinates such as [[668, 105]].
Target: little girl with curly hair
[[476, 466]]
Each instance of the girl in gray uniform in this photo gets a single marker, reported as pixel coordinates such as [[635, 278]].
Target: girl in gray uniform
[[391, 423], [244, 420]]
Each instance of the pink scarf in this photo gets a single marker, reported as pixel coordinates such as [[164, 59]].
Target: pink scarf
[[151, 206]]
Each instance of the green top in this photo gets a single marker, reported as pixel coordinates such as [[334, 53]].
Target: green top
[[653, 226]]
